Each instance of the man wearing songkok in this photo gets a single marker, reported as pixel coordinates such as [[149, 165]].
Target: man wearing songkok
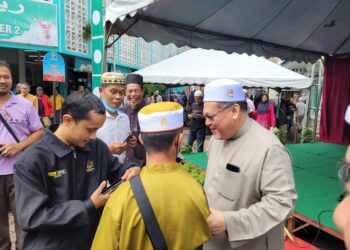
[[249, 182], [116, 128], [135, 93], [197, 125], [59, 180], [178, 201], [342, 212]]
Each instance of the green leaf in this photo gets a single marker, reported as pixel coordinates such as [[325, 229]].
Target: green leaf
[[197, 174]]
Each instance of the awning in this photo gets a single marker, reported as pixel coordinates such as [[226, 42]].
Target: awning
[[291, 30]]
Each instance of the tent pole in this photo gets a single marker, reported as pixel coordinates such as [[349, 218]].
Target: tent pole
[[318, 98], [308, 100]]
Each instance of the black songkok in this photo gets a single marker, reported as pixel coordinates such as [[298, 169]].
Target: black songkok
[[134, 78]]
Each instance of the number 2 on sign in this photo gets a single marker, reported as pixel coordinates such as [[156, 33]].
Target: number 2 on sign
[[17, 30]]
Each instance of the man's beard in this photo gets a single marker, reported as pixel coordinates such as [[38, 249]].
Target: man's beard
[[4, 92], [344, 171]]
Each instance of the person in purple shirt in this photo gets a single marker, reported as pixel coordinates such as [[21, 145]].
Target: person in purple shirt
[[24, 120], [134, 94]]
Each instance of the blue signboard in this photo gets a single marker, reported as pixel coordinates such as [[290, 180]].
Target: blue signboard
[[54, 68]]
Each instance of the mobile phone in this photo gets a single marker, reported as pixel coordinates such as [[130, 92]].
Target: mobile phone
[[233, 168], [128, 138], [179, 158], [112, 187]]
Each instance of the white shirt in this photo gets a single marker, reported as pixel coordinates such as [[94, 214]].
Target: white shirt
[[301, 108], [158, 98], [115, 129], [250, 103]]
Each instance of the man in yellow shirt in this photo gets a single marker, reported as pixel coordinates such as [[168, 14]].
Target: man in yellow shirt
[[25, 89], [178, 201], [59, 101]]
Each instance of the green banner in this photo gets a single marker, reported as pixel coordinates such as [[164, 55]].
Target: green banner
[[28, 22]]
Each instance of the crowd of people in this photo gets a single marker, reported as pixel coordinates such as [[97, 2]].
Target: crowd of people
[[283, 114], [55, 182]]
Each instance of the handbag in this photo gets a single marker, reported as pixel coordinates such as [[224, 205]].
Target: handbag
[[46, 121], [9, 128]]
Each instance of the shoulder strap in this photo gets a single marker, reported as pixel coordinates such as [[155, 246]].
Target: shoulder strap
[[8, 128], [152, 227]]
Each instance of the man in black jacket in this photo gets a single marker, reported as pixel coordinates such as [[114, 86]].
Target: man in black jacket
[[197, 126], [135, 93], [59, 180]]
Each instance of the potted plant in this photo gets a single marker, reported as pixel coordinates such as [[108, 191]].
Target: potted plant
[[306, 136], [281, 135], [87, 32], [186, 149]]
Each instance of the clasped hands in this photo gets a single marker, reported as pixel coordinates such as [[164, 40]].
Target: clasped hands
[[10, 150], [216, 222]]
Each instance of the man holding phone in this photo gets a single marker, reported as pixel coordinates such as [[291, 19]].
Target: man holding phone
[[135, 96], [115, 131], [197, 126], [59, 180]]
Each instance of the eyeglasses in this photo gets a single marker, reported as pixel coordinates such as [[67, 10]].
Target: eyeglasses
[[212, 117]]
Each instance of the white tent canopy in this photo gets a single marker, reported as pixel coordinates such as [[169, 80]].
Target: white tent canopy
[[199, 66]]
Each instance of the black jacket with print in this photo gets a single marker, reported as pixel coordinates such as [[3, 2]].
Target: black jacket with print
[[53, 185]]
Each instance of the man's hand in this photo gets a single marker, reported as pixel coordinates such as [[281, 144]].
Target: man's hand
[[131, 143], [117, 147], [99, 199], [10, 150], [347, 156], [216, 222], [131, 172], [195, 116]]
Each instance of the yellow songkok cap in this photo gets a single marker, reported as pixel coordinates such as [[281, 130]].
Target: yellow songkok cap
[[161, 117]]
